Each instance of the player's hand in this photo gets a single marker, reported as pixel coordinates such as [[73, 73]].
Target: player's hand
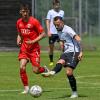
[[19, 43], [49, 34], [19, 40], [80, 56], [29, 42]]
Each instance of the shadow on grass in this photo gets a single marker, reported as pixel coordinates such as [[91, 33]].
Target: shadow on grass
[[67, 96]]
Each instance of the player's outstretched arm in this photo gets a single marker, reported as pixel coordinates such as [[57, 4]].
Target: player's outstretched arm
[[78, 39], [41, 36]]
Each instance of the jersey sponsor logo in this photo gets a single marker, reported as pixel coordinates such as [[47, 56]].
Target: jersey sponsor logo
[[25, 31]]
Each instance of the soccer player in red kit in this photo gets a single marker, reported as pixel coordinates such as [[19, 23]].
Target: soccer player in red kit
[[29, 33]]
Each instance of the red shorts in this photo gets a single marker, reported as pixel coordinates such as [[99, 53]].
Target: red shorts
[[33, 56]]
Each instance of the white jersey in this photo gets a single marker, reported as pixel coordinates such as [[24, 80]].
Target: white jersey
[[67, 35], [50, 16]]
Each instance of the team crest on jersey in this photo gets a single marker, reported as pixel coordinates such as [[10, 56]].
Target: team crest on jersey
[[20, 25]]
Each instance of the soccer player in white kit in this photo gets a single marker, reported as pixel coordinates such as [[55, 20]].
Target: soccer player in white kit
[[51, 30], [72, 53]]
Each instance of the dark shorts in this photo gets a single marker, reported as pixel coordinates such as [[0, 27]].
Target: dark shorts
[[71, 59], [54, 38]]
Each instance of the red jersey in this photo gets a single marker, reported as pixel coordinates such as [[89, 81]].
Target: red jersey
[[29, 31]]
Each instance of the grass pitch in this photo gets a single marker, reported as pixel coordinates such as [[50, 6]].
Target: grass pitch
[[54, 88]]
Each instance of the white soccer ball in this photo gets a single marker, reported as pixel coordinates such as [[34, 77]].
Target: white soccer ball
[[36, 90]]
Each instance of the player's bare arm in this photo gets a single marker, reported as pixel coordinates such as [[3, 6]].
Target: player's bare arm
[[62, 45], [78, 39], [80, 55], [41, 36], [19, 40], [48, 27]]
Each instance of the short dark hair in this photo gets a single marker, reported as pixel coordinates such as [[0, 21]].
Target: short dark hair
[[24, 6], [58, 18], [55, 2]]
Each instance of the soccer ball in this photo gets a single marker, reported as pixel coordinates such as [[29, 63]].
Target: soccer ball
[[36, 91]]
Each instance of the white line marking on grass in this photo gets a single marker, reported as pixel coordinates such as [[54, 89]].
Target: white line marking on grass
[[9, 90], [77, 77], [96, 83], [49, 89], [87, 76], [69, 88]]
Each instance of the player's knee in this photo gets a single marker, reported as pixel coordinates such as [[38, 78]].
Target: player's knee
[[51, 47], [51, 51], [61, 61], [22, 67], [69, 72]]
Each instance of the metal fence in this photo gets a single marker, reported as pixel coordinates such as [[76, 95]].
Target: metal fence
[[82, 15]]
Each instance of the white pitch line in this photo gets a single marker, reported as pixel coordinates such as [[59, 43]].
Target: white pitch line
[[69, 88], [87, 76], [89, 83], [49, 89], [64, 88], [77, 77], [9, 90]]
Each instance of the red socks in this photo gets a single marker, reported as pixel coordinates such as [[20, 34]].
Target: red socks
[[24, 77], [41, 69]]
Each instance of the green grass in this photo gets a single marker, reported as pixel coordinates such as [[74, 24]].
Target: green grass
[[55, 88], [91, 42]]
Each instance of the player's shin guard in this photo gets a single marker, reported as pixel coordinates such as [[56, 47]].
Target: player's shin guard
[[72, 82], [24, 77], [57, 68]]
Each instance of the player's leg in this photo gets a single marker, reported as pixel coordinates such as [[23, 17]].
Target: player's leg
[[52, 40], [56, 69], [51, 49], [72, 82], [23, 75], [71, 64], [61, 62], [58, 66], [35, 60]]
